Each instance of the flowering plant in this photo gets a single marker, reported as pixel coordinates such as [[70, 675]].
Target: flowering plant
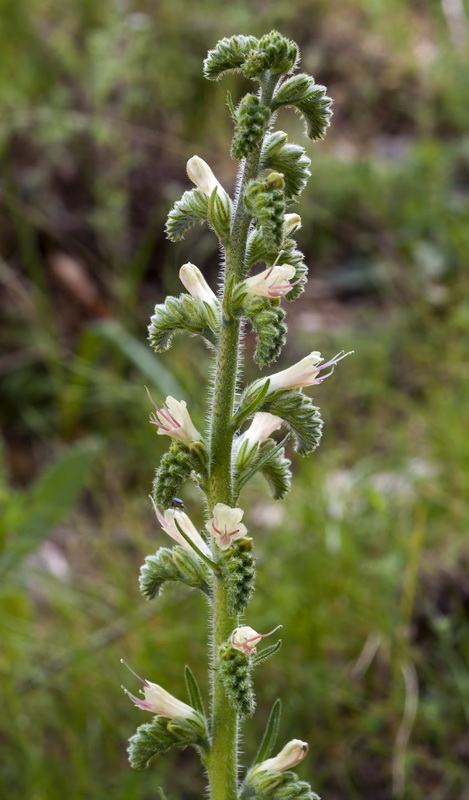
[[253, 229]]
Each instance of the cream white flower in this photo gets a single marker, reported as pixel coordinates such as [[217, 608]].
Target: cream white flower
[[195, 283], [305, 373], [159, 701], [291, 223], [261, 428], [272, 282], [291, 755], [226, 525], [201, 174], [168, 523], [245, 639], [174, 420]]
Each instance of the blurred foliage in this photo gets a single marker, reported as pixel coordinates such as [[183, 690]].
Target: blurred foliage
[[366, 563]]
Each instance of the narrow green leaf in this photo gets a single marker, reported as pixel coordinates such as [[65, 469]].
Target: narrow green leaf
[[270, 735], [219, 213], [194, 691], [264, 458], [265, 653], [253, 402]]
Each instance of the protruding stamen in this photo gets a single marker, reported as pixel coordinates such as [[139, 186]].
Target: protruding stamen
[[323, 377], [140, 703], [155, 421], [169, 417], [151, 398], [162, 412], [336, 359], [262, 635], [145, 683]]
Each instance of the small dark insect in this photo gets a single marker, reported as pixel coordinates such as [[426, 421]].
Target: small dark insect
[[177, 503]]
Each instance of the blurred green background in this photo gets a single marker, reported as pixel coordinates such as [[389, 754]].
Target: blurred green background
[[366, 564]]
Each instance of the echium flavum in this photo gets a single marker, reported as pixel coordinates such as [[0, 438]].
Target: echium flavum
[[261, 267]]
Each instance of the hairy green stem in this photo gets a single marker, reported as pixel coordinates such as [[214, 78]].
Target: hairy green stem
[[223, 759]]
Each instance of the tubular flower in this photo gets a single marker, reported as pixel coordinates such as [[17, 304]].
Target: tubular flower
[[174, 420], [305, 373], [158, 701], [272, 282], [195, 283], [168, 523], [226, 525], [200, 173], [260, 429], [291, 755], [245, 639], [292, 223]]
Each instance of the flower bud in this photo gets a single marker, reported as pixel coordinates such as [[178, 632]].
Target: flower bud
[[305, 373], [200, 173], [291, 755], [158, 701], [262, 427], [275, 180], [195, 283], [174, 420], [291, 224], [272, 282], [168, 523], [226, 525]]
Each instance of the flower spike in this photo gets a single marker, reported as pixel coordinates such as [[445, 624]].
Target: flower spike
[[255, 234]]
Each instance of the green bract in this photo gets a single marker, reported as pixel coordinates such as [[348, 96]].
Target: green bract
[[301, 417], [184, 313], [172, 564], [175, 468], [228, 55], [191, 208], [289, 159], [251, 121], [310, 99], [238, 570], [161, 734], [267, 320]]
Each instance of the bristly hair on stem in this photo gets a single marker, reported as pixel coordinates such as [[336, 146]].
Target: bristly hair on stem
[[253, 229]]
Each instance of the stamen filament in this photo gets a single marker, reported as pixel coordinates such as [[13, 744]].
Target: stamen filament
[[145, 683]]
